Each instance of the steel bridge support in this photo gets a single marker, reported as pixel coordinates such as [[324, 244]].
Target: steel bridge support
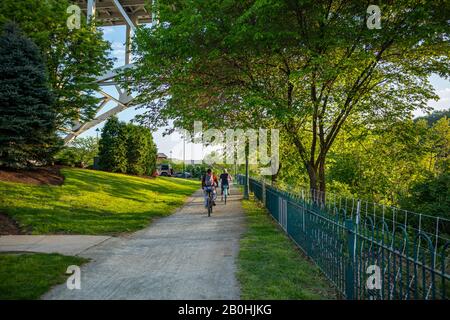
[[104, 13]]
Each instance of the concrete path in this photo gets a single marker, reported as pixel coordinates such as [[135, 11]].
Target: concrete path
[[187, 255], [63, 244]]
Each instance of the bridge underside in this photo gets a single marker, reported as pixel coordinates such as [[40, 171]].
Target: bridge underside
[[108, 13], [129, 13]]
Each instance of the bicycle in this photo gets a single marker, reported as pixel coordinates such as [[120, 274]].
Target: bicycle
[[209, 200]]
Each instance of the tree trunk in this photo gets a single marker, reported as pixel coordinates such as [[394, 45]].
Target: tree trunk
[[275, 176], [312, 173], [317, 183], [322, 184]]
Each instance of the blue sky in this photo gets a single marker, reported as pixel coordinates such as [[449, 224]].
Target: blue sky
[[173, 145]]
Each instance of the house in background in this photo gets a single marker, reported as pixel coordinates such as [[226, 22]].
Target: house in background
[[161, 157]]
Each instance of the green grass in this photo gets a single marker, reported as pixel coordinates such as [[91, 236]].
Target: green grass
[[271, 267], [93, 202], [29, 276]]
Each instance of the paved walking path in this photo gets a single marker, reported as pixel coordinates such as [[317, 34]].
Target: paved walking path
[[187, 255], [63, 244]]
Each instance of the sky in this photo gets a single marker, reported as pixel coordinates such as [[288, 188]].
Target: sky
[[173, 145]]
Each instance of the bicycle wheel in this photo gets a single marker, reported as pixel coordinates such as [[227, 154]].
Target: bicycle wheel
[[210, 205], [225, 194]]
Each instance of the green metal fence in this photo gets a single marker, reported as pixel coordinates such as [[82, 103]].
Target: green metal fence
[[366, 253]]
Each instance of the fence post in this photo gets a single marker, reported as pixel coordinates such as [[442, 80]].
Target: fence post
[[246, 184], [263, 191], [349, 268]]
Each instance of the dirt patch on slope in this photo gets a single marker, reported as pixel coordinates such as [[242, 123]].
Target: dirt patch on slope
[[8, 226], [36, 176]]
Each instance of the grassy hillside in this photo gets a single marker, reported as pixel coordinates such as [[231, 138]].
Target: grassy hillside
[[93, 202]]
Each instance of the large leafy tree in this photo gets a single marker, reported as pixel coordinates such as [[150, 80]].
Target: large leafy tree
[[306, 67], [74, 58], [27, 113]]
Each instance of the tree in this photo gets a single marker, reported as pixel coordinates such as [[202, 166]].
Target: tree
[[440, 145], [112, 147], [432, 197], [27, 112], [74, 58], [80, 153], [127, 148], [305, 67], [141, 151], [380, 163], [435, 116], [151, 153]]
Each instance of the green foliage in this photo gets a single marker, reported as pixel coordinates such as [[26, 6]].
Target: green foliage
[[439, 146], [430, 196], [93, 202], [74, 58], [379, 163], [141, 150], [127, 148], [308, 68], [27, 112], [80, 153], [26, 276], [197, 170], [113, 146], [68, 156], [392, 164], [435, 116]]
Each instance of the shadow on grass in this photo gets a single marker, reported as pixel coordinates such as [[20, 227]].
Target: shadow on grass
[[93, 202]]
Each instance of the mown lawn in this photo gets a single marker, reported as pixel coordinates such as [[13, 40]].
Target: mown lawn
[[271, 267], [28, 276], [93, 202]]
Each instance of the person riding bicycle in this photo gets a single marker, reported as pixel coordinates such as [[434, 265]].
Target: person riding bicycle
[[225, 179], [209, 184]]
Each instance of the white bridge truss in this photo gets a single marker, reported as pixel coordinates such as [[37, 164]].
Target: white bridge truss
[[105, 13]]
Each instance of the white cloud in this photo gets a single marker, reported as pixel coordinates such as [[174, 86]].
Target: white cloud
[[444, 100]]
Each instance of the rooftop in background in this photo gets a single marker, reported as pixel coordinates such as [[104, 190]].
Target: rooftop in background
[[107, 13]]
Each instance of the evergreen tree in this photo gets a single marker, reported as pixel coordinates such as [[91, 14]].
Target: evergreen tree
[[27, 112], [74, 58], [141, 151], [136, 144], [127, 148], [112, 147], [150, 154]]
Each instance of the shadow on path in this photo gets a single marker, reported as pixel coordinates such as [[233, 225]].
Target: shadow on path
[[187, 255]]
